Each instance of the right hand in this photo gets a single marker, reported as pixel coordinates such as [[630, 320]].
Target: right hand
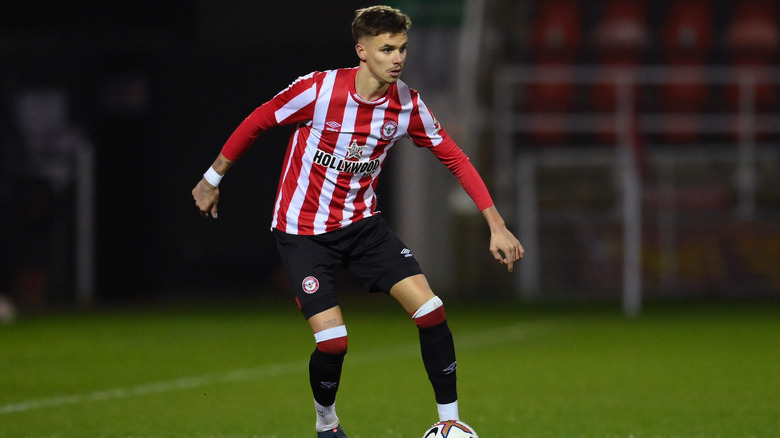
[[206, 198]]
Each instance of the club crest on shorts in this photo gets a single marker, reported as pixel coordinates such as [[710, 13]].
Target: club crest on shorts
[[388, 129], [310, 284]]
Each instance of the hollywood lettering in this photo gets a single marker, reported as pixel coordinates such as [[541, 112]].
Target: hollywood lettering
[[365, 167]]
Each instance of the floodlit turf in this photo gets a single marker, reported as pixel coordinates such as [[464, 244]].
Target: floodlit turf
[[693, 370]]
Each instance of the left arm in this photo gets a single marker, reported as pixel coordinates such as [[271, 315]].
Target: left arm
[[425, 131], [504, 246]]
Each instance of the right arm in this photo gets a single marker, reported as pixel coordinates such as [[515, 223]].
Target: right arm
[[205, 194]]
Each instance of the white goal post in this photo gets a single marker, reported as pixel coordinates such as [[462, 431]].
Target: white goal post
[[515, 165]]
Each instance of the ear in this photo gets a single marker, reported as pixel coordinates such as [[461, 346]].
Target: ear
[[361, 52]]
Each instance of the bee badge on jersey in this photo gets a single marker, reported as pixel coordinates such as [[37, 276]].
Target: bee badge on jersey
[[388, 129], [310, 284]]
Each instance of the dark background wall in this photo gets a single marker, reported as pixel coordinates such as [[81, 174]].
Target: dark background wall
[[157, 87]]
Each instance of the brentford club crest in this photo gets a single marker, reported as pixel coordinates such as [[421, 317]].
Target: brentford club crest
[[388, 129], [310, 284]]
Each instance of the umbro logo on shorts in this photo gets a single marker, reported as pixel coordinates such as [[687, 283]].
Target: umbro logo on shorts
[[406, 252]]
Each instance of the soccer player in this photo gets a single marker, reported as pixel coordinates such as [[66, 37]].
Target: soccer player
[[325, 215]]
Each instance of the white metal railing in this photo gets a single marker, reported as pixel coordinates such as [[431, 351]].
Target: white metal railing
[[626, 119]]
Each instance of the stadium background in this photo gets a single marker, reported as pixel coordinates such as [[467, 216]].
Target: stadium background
[[156, 87]]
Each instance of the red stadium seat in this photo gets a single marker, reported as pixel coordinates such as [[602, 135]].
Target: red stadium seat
[[620, 38], [687, 38], [687, 34], [686, 97], [555, 38], [753, 36], [622, 34], [552, 98], [556, 35], [752, 41]]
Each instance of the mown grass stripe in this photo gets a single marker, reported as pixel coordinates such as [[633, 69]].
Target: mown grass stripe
[[466, 341]]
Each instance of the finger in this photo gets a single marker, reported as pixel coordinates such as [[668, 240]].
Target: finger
[[519, 251], [508, 260], [508, 250], [509, 254], [497, 255], [516, 254], [214, 211], [513, 255]]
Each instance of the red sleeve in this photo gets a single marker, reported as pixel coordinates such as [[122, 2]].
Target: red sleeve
[[292, 105], [247, 132], [459, 164]]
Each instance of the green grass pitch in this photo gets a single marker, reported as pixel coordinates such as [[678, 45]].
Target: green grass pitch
[[692, 370]]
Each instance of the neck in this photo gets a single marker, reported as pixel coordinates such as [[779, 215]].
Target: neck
[[367, 86]]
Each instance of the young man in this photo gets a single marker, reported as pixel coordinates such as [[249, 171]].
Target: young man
[[326, 215]]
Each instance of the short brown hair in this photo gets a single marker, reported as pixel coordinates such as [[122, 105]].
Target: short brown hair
[[376, 20]]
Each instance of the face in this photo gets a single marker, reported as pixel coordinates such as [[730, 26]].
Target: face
[[384, 56]]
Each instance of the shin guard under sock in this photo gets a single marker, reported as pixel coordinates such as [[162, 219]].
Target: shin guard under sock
[[438, 353], [324, 376]]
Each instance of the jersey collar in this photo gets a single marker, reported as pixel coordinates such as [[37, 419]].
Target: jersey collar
[[357, 98]]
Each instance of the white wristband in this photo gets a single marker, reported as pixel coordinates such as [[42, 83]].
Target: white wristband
[[212, 177]]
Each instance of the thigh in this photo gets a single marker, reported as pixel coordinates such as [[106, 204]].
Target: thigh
[[380, 259], [309, 266], [326, 319], [412, 292]]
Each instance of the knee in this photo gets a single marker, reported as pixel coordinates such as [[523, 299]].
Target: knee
[[332, 340], [430, 314]]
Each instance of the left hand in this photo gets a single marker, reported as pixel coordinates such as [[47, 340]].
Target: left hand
[[505, 247]]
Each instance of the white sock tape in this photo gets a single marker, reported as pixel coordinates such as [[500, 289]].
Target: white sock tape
[[429, 306], [331, 333]]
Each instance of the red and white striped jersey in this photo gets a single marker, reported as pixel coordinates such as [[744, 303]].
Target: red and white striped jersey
[[339, 146]]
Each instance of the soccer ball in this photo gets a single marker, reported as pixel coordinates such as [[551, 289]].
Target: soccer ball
[[450, 429]]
